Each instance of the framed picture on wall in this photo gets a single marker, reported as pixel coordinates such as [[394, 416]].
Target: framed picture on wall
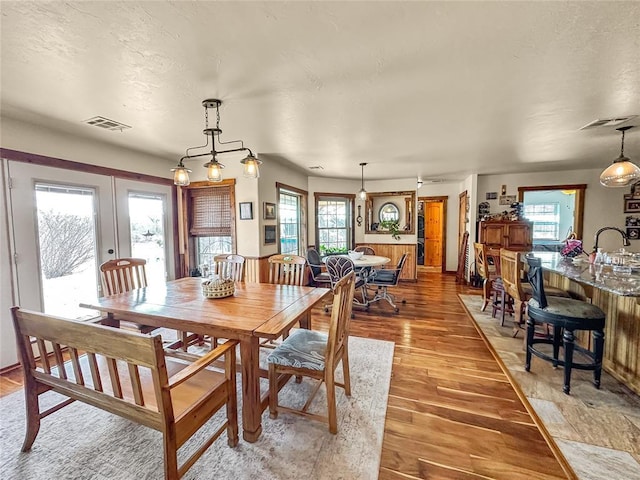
[[269, 211], [246, 211], [631, 204], [269, 234]]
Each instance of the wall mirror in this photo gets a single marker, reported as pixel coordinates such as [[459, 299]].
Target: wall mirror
[[390, 206], [389, 212]]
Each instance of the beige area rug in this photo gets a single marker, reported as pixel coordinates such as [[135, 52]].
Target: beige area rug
[[83, 442], [597, 431]]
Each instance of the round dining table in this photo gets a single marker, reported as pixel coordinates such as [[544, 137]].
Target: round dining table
[[367, 261]]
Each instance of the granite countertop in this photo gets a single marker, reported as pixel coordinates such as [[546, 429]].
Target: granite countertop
[[599, 276]]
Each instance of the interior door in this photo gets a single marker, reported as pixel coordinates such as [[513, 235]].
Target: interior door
[[433, 234], [62, 225]]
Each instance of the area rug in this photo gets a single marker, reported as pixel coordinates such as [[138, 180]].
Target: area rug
[[597, 431], [83, 442]]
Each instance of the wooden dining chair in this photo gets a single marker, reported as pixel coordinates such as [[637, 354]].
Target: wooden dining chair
[[229, 265], [287, 270], [487, 269], [123, 275], [316, 355]]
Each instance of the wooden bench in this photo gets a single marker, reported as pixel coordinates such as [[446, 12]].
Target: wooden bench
[[127, 374]]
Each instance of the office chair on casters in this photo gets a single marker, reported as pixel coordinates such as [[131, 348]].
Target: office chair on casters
[[319, 278], [382, 279]]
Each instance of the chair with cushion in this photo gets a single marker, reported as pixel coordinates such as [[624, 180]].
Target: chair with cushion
[[230, 266], [317, 355], [287, 269], [339, 266], [365, 250], [123, 275], [511, 274], [566, 315], [319, 277], [384, 278]]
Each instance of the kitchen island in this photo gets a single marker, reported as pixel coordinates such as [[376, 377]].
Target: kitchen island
[[618, 295]]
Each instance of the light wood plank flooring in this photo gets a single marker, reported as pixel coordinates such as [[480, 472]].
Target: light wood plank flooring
[[452, 413]]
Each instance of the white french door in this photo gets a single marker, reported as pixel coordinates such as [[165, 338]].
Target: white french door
[[65, 223]]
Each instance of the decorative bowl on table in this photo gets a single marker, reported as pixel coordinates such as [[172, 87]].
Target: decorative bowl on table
[[355, 255], [217, 287]]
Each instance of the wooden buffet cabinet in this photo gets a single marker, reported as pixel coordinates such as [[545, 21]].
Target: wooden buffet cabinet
[[515, 235]]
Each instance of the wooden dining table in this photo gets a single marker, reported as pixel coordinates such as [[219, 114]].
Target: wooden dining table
[[255, 311]]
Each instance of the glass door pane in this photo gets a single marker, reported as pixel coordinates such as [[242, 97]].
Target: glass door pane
[[146, 226], [67, 248]]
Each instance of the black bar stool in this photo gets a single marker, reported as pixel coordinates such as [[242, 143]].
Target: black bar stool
[[565, 315]]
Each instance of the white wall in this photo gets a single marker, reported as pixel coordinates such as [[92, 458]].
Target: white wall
[[603, 206], [26, 137], [271, 172]]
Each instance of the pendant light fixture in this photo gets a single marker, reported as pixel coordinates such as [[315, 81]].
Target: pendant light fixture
[[622, 171], [213, 166], [362, 193]]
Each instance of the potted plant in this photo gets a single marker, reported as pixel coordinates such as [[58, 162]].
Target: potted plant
[[392, 226]]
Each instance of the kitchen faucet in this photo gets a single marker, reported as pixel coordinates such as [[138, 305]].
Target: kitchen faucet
[[625, 239]]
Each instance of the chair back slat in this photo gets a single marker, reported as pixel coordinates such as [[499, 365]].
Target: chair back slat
[[287, 270], [536, 280], [77, 369], [57, 351], [229, 266], [343, 292], [122, 275], [96, 379], [136, 384]]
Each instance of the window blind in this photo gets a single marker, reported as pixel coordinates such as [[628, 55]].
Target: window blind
[[211, 212]]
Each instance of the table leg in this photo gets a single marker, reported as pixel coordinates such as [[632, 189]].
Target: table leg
[[251, 405]]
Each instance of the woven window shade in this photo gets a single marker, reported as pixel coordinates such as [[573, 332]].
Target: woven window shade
[[210, 212]]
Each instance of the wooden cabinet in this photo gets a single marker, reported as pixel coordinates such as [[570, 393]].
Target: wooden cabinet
[[510, 235]]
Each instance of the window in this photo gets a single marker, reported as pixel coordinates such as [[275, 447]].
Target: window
[[211, 222], [292, 219], [289, 223], [546, 220], [334, 230]]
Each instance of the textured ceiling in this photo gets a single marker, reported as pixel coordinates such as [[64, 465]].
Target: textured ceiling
[[430, 89]]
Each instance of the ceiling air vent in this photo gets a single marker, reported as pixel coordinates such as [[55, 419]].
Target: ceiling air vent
[[608, 122], [316, 167], [107, 124]]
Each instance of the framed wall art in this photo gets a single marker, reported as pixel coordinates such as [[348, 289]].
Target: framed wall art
[[631, 204], [269, 234], [270, 212], [246, 211]]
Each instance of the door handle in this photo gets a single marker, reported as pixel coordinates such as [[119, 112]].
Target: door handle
[[110, 251]]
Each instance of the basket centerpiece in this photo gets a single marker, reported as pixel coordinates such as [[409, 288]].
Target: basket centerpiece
[[218, 287]]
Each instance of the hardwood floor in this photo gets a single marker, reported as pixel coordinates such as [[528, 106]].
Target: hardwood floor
[[452, 413]]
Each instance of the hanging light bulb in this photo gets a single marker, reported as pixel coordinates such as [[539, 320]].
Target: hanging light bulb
[[622, 171], [181, 175], [251, 166], [214, 170], [362, 193]]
